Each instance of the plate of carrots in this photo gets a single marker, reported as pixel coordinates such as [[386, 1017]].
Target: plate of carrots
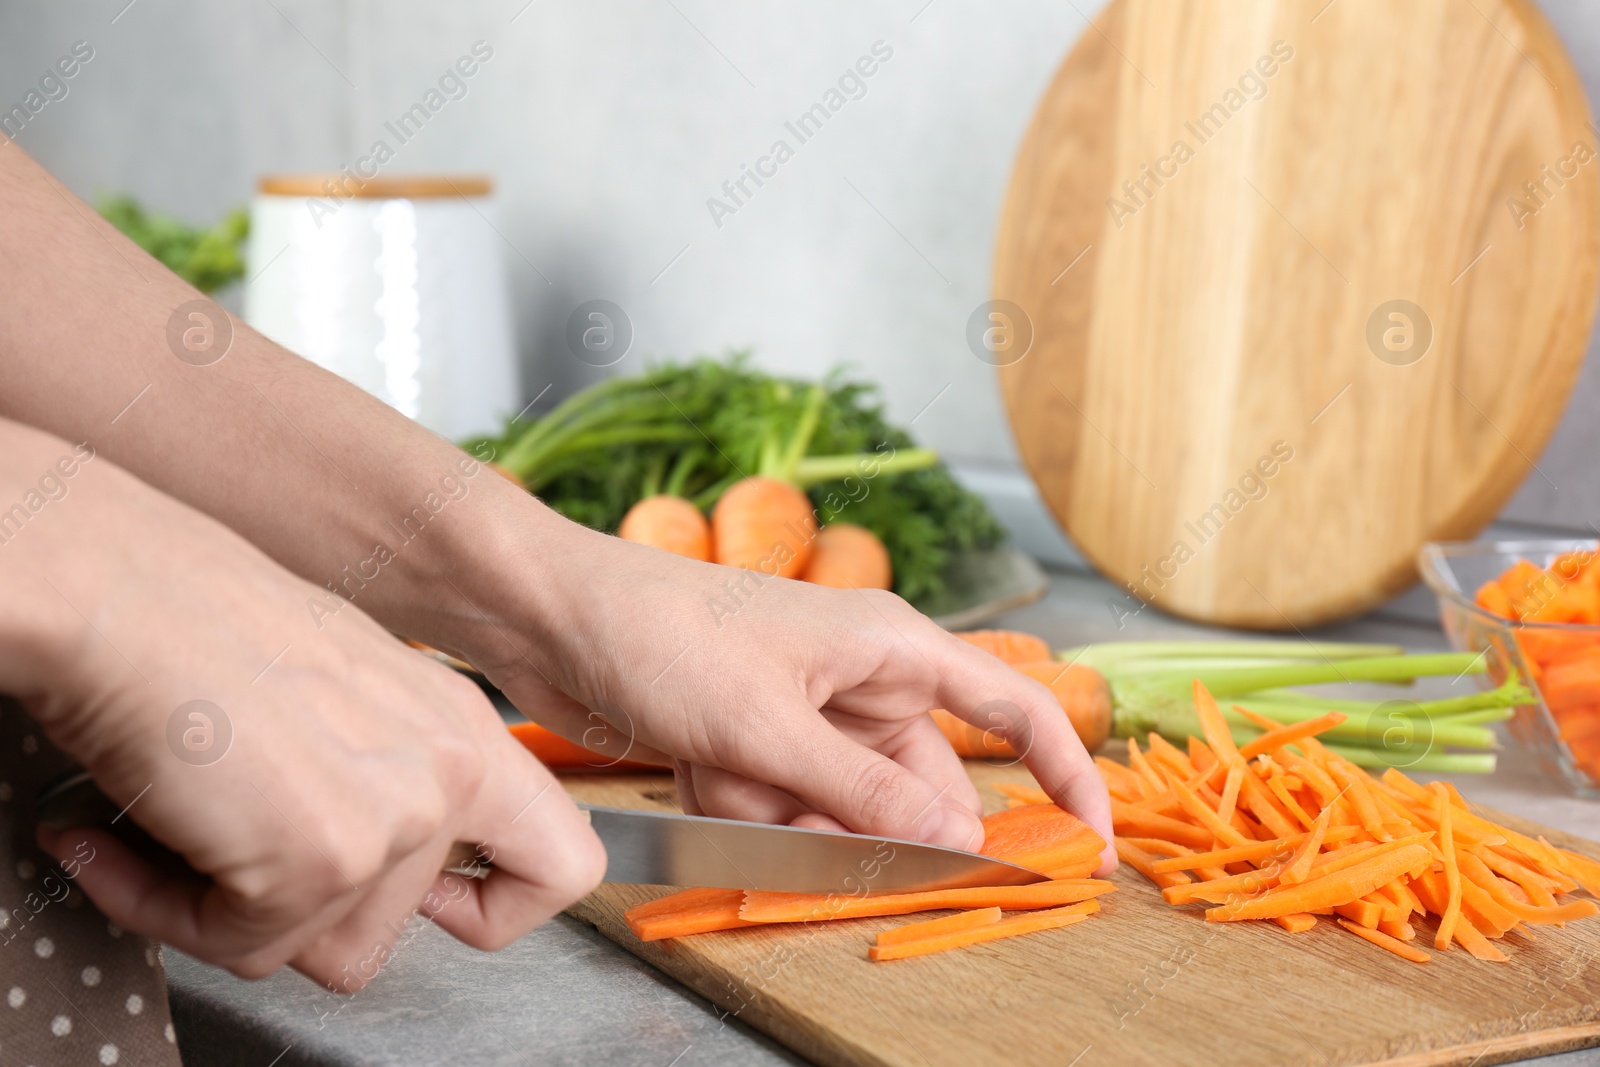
[[1532, 609]]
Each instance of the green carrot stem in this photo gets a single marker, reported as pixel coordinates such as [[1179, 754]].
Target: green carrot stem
[[803, 432], [1226, 683], [1428, 763], [707, 497], [1114, 653], [652, 477], [681, 470], [813, 469]]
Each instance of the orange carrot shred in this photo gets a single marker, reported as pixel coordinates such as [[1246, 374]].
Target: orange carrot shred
[[961, 920], [1013, 927], [1383, 940], [1452, 874]]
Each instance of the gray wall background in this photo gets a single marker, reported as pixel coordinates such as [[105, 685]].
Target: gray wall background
[[608, 124]]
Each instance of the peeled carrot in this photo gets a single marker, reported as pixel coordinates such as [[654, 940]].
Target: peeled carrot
[[764, 524], [847, 556], [1012, 927], [689, 911], [670, 523], [1452, 874], [819, 907], [1013, 646], [1043, 838], [1083, 694], [969, 741], [1383, 940], [557, 753], [961, 920]]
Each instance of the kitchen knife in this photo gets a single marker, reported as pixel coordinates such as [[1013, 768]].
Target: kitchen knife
[[664, 848]]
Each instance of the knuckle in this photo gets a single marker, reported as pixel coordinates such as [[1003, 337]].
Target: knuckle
[[579, 870], [879, 793]]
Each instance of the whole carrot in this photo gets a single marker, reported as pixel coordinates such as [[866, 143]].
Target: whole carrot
[[668, 522], [665, 519], [847, 556]]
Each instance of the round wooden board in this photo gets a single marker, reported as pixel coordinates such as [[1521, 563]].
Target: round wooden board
[[1211, 220]]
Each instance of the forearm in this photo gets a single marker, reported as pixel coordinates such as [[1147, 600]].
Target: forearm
[[326, 479]]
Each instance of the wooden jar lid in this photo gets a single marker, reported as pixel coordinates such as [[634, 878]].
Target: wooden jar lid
[[382, 187]]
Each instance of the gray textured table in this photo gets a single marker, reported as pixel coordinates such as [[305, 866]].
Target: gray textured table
[[564, 995]]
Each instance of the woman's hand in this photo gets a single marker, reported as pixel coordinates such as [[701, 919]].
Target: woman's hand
[[322, 783], [775, 700]]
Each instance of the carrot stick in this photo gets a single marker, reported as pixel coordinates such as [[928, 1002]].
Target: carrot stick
[[1146, 864], [1397, 929], [1127, 819], [1147, 775], [1297, 923], [1353, 779], [1123, 783], [688, 911], [949, 924], [1452, 873], [1201, 756], [1362, 912], [1230, 793], [1470, 938], [1013, 927], [1261, 803], [760, 907], [1383, 940], [1286, 735], [1329, 890], [1298, 869], [1280, 789], [1163, 750], [1197, 808], [1256, 850], [1157, 847], [1532, 883], [1215, 726]]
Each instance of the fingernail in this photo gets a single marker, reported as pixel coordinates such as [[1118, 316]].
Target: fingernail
[[952, 828]]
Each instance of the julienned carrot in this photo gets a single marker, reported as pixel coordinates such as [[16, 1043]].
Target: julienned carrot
[[1383, 940], [1385, 849], [670, 523], [1013, 646], [847, 556], [1281, 847], [821, 907], [1298, 869], [1125, 818], [1148, 865], [1022, 794], [1013, 927], [949, 924], [764, 524], [689, 911], [1285, 735], [1452, 874], [1328, 891]]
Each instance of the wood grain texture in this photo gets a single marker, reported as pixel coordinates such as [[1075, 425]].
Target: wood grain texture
[[1213, 200], [1140, 983]]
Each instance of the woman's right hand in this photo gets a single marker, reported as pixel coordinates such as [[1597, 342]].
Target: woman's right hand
[[321, 785]]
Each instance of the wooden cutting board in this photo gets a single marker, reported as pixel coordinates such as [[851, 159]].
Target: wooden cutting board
[[1139, 983], [1296, 300]]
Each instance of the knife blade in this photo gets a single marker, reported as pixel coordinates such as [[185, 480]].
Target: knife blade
[[666, 848]]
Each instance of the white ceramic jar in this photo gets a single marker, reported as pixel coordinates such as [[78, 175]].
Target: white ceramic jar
[[396, 284]]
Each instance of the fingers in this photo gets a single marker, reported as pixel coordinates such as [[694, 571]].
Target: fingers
[[727, 795], [991, 696], [802, 754], [923, 750], [612, 738], [544, 853]]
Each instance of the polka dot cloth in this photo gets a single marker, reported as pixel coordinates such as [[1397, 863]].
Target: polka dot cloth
[[77, 989]]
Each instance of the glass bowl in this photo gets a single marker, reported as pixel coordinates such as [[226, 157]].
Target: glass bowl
[[1455, 571]]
